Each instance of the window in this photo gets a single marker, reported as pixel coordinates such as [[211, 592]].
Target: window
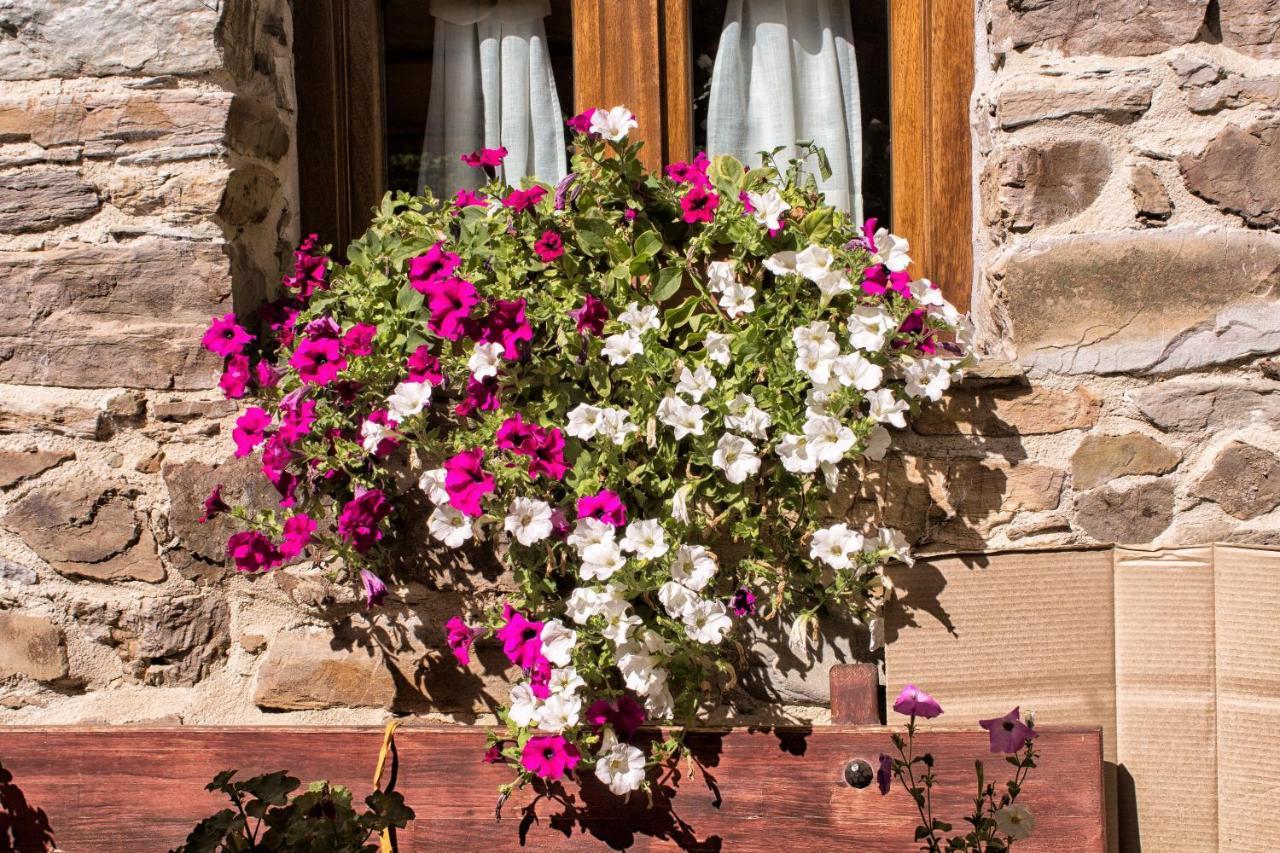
[[364, 72]]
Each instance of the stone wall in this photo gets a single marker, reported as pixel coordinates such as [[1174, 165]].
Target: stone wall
[[1128, 204]]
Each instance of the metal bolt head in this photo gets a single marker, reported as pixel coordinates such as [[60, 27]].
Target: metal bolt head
[[858, 773]]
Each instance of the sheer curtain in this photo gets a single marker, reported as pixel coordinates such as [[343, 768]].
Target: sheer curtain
[[785, 71], [491, 86]]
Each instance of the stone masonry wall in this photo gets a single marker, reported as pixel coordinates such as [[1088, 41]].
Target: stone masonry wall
[[1128, 239]]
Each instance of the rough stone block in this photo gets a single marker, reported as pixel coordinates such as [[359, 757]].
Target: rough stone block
[[777, 673], [31, 646], [1025, 187], [1142, 302], [116, 315], [189, 483], [1244, 481], [1101, 458], [1009, 411], [1117, 102], [1110, 27], [1193, 406], [40, 199], [1132, 516], [1239, 171], [18, 465], [1150, 198], [1251, 26], [306, 670]]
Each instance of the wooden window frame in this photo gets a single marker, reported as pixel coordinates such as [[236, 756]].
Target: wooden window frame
[[638, 53]]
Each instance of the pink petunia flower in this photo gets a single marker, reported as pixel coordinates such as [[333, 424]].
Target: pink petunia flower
[[235, 377], [507, 325], [623, 713], [225, 336], [374, 589], [318, 361], [358, 524], [485, 157], [449, 301], [516, 436], [280, 316], [297, 535], [549, 246], [877, 281], [699, 205], [322, 328], [521, 638], [540, 678], [693, 173], [467, 482], [549, 757], [467, 198], [459, 636], [214, 505], [265, 374], [310, 271], [424, 367], [358, 340], [481, 396], [591, 316], [388, 444], [276, 457], [296, 418], [581, 123], [914, 702], [493, 754], [1008, 733], [436, 264], [547, 456], [743, 602], [604, 506], [250, 430], [522, 200], [252, 551]]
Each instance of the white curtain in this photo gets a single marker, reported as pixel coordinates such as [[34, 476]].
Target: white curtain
[[491, 86], [785, 71]]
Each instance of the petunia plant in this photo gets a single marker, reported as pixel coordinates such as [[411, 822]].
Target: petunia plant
[[639, 390]]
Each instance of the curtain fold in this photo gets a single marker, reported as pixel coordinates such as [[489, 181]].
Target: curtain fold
[[785, 71], [491, 86]]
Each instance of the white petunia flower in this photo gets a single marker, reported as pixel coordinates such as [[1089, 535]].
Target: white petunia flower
[[887, 409], [640, 671], [659, 702], [835, 545], [854, 371], [736, 457], [816, 361], [877, 444], [707, 621], [833, 284], [522, 707], [601, 561], [894, 541], [485, 359], [716, 346], [891, 250], [565, 681], [621, 767], [559, 712], [645, 539], [449, 526], [928, 378], [622, 347], [372, 434], [676, 598], [796, 455], [720, 276], [583, 603], [683, 418], [432, 482], [680, 504], [408, 399], [614, 425], [640, 319], [558, 642], [781, 263], [590, 531], [613, 124], [869, 328], [528, 520], [814, 262], [695, 384], [817, 333], [745, 416], [829, 439], [737, 300], [584, 421], [769, 206], [694, 566]]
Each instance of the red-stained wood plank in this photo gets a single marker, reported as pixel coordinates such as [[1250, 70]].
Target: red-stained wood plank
[[751, 789]]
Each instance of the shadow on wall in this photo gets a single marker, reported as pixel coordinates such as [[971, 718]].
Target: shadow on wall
[[23, 827]]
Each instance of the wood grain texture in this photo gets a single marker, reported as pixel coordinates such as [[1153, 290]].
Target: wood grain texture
[[931, 48], [677, 80], [121, 789], [855, 694]]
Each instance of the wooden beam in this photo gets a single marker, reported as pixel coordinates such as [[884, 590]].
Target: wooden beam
[[855, 694]]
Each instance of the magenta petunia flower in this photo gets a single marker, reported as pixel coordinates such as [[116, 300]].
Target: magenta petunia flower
[[358, 524], [374, 589], [699, 205], [884, 773], [549, 756], [467, 198], [250, 430], [319, 361], [467, 482], [485, 157], [914, 702], [623, 713], [358, 340], [493, 754], [214, 505], [297, 416], [321, 328], [436, 264], [235, 377], [522, 200], [459, 636], [521, 638], [481, 396], [547, 456], [877, 281], [225, 336], [869, 234], [1008, 733], [561, 527], [540, 678], [604, 506], [276, 457], [450, 300], [387, 445], [252, 551], [516, 435], [265, 374], [310, 271], [581, 123], [424, 367], [629, 214], [743, 602], [507, 325], [297, 535], [549, 247], [280, 316], [591, 316]]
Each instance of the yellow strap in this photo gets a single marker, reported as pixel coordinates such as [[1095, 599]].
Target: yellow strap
[[385, 845]]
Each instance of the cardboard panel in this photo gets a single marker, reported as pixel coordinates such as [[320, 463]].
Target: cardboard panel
[[1247, 637], [1165, 726]]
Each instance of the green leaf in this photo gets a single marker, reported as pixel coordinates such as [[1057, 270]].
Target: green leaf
[[648, 244], [679, 316], [726, 173], [409, 300], [273, 788], [824, 165], [818, 224], [669, 280]]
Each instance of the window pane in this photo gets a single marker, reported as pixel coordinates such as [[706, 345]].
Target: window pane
[[487, 69], [788, 71]]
